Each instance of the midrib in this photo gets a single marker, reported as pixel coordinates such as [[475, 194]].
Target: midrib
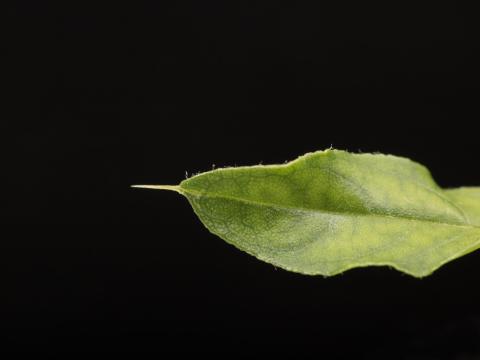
[[322, 211]]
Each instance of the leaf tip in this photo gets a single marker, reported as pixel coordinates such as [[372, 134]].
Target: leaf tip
[[175, 188]]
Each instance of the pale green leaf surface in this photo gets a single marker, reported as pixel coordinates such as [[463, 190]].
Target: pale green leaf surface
[[469, 200], [330, 211]]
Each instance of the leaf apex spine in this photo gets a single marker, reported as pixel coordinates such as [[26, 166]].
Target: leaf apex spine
[[175, 188]]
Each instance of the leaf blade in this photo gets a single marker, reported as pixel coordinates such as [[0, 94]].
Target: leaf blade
[[331, 211]]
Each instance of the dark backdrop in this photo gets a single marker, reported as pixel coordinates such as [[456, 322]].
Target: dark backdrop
[[103, 98]]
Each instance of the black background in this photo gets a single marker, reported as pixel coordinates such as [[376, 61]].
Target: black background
[[102, 98]]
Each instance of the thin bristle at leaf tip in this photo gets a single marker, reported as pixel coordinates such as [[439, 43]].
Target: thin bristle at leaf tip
[[156, 187]]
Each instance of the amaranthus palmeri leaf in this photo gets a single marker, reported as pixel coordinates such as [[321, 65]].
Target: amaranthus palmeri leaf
[[330, 211]]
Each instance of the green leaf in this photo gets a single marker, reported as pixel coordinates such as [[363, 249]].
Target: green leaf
[[330, 211]]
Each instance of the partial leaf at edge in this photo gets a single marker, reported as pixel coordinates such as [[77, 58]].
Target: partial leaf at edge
[[468, 198]]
